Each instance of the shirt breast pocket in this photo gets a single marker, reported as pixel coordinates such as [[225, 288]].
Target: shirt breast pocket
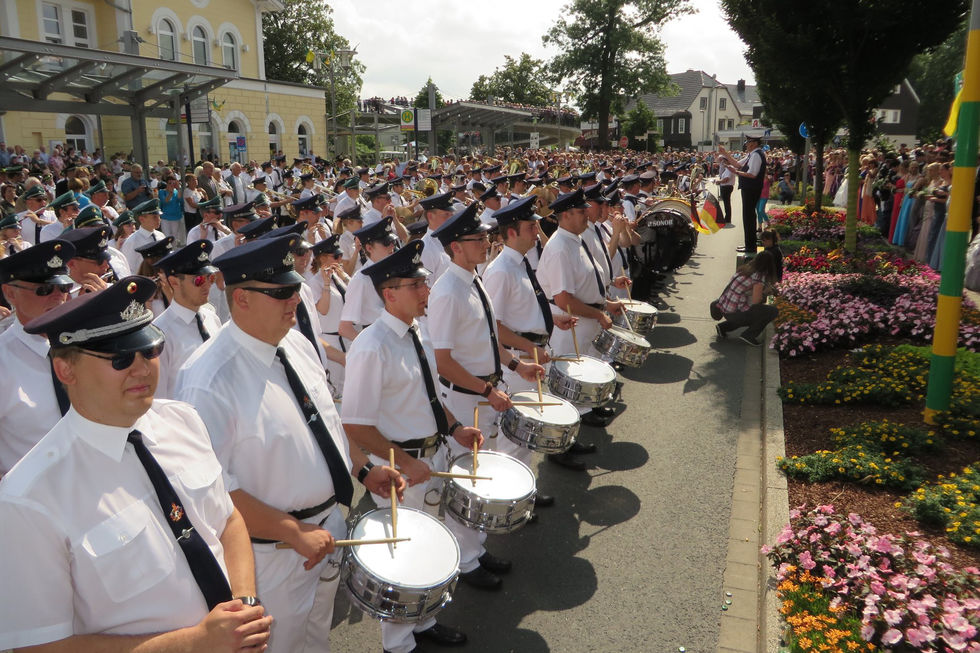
[[130, 552], [197, 484]]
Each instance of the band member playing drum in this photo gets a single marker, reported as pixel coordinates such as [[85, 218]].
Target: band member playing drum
[[391, 401]]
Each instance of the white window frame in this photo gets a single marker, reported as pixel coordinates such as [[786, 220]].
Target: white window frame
[[173, 31], [235, 45], [681, 125], [722, 103], [74, 140], [203, 40], [703, 102], [303, 140], [66, 23]]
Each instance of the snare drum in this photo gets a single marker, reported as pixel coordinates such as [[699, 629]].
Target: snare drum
[[500, 505], [622, 345], [548, 429], [404, 584], [642, 316], [587, 381]]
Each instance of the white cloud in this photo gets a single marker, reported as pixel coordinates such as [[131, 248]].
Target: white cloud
[[404, 43]]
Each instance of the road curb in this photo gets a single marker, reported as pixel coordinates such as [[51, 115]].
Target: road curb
[[775, 497]]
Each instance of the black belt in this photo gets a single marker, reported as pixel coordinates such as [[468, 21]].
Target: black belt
[[417, 448], [539, 339], [598, 307], [301, 514], [492, 379]]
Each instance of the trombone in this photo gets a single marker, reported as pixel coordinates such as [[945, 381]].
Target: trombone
[[274, 193]]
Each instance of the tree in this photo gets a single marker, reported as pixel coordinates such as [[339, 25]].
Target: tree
[[609, 51], [637, 123], [931, 75], [301, 27], [855, 55], [521, 81]]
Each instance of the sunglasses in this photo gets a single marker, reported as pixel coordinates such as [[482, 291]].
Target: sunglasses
[[418, 284], [199, 279], [45, 289], [122, 362], [283, 293]]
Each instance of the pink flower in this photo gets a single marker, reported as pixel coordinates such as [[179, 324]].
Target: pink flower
[[892, 617], [891, 636], [877, 587], [955, 622], [806, 560], [833, 528], [867, 632], [919, 636]]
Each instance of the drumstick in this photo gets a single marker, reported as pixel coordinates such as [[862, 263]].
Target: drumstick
[[394, 502], [553, 358], [383, 540], [540, 396], [476, 443], [527, 403], [469, 476], [627, 318], [578, 356]]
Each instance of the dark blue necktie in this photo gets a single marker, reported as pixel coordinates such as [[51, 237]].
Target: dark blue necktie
[[595, 268], [549, 320]]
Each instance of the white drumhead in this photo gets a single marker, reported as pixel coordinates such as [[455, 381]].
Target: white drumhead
[[629, 336], [637, 306], [588, 369], [682, 207], [510, 478], [563, 415], [429, 558]]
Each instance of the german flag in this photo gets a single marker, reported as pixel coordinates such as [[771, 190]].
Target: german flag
[[705, 219]]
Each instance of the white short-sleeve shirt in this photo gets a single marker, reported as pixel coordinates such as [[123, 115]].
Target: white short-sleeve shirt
[[183, 337], [565, 267], [457, 321], [363, 304], [511, 293]]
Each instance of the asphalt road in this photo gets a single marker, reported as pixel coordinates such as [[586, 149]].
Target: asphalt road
[[631, 556]]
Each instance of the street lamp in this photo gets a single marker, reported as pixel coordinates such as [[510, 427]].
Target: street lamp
[[336, 58]]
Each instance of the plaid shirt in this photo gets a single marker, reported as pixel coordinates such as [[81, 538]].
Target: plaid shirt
[[738, 296]]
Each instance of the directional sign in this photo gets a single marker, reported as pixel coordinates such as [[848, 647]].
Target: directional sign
[[424, 117], [408, 120], [803, 131]]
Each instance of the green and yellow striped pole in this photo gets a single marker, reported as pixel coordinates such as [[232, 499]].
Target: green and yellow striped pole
[[949, 306]]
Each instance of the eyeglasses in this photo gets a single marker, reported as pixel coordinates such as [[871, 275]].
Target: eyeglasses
[[418, 284], [199, 279], [282, 293], [477, 239], [122, 362], [45, 289]]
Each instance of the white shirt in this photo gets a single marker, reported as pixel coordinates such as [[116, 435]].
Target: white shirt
[[330, 322], [222, 245], [383, 384], [203, 232], [726, 177], [457, 321], [363, 304], [179, 326], [620, 265], [29, 230], [511, 293], [599, 251], [49, 232], [85, 547], [371, 216], [434, 258], [565, 267], [118, 263], [28, 405], [344, 203], [256, 426], [306, 296], [139, 238]]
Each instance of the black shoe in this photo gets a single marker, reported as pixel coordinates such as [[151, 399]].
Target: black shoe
[[592, 419], [492, 563], [567, 461], [720, 331], [604, 411], [749, 340], [740, 249], [444, 635], [543, 500], [482, 579], [581, 447]]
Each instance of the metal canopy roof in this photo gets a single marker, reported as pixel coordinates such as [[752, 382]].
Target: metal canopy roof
[[473, 114], [101, 82]]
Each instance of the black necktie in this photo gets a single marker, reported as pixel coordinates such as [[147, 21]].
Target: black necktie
[[493, 336], [37, 233], [621, 250], [342, 485], [59, 390], [549, 321], [605, 250], [200, 328], [442, 423], [595, 268], [305, 325], [205, 568], [340, 288], [153, 236]]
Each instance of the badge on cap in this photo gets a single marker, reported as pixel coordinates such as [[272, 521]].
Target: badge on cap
[[289, 260], [133, 312], [104, 243], [55, 262], [203, 257], [417, 259]]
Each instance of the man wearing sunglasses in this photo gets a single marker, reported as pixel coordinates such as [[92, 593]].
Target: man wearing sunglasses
[[118, 531], [34, 281], [392, 402], [89, 268], [263, 395], [189, 321]]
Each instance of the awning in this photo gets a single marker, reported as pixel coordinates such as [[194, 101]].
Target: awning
[[100, 82]]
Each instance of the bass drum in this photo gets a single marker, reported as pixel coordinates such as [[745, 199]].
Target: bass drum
[[667, 236]]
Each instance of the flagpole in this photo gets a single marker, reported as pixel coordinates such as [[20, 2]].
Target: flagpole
[[949, 305]]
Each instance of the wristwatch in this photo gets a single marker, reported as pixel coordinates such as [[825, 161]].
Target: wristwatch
[[363, 472], [486, 390], [512, 365], [250, 601], [454, 426]]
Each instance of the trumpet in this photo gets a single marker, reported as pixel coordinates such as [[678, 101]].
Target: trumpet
[[274, 193], [324, 190]]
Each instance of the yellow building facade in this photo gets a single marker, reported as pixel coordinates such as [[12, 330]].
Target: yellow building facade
[[250, 117]]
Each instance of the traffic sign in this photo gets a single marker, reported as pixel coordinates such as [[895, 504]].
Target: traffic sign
[[623, 142], [240, 142], [803, 130], [408, 120], [424, 117]]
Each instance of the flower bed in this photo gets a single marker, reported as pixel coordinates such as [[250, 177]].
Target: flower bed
[[902, 590], [951, 503]]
